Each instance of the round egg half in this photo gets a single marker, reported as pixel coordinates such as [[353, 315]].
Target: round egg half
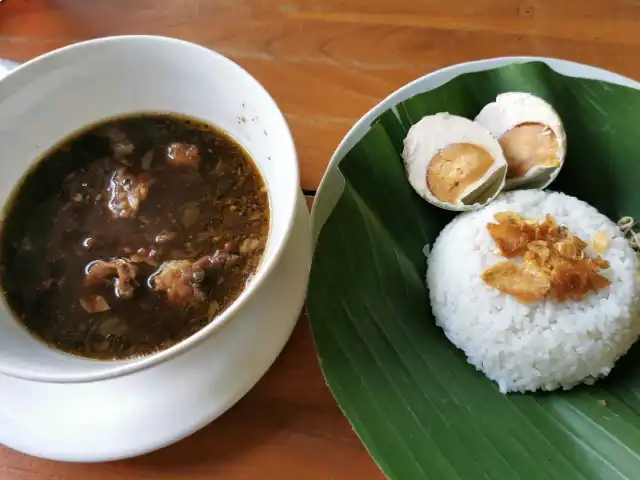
[[453, 162], [531, 135]]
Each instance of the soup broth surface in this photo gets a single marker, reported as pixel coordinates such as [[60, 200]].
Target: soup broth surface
[[132, 235]]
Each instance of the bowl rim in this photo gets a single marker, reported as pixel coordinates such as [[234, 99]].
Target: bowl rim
[[359, 129], [129, 366]]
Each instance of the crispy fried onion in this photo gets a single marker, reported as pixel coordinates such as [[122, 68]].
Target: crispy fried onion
[[553, 261]]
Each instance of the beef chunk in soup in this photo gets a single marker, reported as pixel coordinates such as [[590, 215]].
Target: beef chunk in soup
[[181, 279], [94, 303], [126, 193], [164, 237], [122, 271], [120, 144], [132, 235], [183, 155], [146, 255]]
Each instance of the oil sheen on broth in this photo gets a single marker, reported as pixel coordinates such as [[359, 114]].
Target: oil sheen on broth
[[132, 235]]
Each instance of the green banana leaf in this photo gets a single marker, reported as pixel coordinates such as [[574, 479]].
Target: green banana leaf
[[421, 410]]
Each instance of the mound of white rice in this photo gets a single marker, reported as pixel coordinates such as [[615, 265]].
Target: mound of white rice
[[545, 345]]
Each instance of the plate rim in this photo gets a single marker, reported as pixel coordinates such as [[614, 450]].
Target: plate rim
[[332, 183]]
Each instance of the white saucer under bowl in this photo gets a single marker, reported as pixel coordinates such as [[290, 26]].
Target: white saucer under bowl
[[145, 411]]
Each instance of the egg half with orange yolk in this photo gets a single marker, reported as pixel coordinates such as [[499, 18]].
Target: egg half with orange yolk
[[453, 162], [531, 135]]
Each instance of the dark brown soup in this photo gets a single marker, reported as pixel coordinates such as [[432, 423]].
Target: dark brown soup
[[132, 235]]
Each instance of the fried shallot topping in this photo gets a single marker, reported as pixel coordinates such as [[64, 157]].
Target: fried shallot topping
[[554, 263]]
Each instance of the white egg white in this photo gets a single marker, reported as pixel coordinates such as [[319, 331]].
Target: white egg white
[[436, 132], [514, 108]]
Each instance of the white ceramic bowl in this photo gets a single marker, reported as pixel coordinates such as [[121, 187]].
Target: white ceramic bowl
[[56, 94]]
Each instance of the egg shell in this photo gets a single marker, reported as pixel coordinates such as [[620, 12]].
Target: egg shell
[[514, 108], [436, 132]]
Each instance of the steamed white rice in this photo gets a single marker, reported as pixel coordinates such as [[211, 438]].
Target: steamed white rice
[[545, 345]]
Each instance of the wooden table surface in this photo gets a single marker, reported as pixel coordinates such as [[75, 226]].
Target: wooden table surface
[[326, 62]]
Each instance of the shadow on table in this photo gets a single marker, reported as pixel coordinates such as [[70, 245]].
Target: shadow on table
[[261, 425], [223, 443]]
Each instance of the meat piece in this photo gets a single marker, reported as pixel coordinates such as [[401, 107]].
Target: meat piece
[[249, 245], [164, 237], [183, 154], [94, 303], [219, 260], [145, 255], [181, 279], [126, 193], [121, 270], [175, 277], [120, 144]]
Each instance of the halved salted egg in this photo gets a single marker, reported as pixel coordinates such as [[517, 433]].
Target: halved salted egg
[[453, 162], [531, 135]]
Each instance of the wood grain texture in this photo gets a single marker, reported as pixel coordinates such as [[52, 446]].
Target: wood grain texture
[[326, 63]]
